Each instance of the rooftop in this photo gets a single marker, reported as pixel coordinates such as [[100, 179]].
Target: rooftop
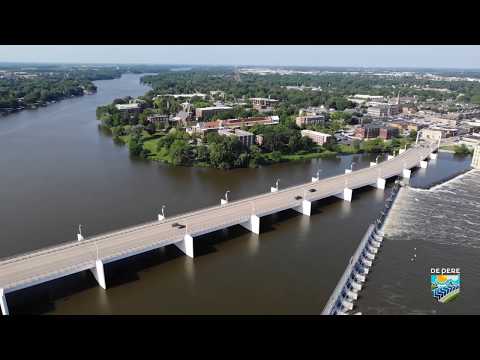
[[127, 106]]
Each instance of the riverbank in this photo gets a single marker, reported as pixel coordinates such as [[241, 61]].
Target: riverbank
[[152, 152], [9, 111]]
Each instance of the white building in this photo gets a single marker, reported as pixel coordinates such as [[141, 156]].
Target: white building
[[316, 136], [127, 107]]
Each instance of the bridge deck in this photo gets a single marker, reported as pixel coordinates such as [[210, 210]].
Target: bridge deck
[[38, 266]]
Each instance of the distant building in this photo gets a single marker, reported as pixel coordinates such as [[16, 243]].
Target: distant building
[[369, 97], [438, 120], [246, 138], [367, 132], [250, 121], [312, 111], [133, 107], [387, 133], [158, 119], [310, 120], [263, 104], [431, 134], [202, 113], [317, 137], [383, 110], [406, 125], [187, 96]]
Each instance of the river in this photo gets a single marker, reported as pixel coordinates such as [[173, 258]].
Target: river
[[59, 169]]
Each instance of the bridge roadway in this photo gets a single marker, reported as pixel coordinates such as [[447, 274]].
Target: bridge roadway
[[46, 264]]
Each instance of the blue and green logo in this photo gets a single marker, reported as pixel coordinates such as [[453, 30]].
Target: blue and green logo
[[445, 283]]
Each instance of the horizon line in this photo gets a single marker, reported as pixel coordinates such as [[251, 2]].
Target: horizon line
[[238, 65]]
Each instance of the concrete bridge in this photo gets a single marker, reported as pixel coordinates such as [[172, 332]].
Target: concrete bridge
[[93, 253]]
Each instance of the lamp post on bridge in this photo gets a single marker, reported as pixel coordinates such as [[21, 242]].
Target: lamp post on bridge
[[79, 234], [225, 201], [162, 216], [317, 177], [275, 189], [348, 171]]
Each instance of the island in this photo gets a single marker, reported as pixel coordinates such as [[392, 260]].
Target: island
[[223, 119]]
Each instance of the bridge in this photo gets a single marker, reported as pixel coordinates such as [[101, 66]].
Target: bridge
[[29, 269]]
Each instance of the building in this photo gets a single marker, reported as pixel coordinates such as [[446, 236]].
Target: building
[[246, 138], [387, 133], [202, 113], [158, 119], [317, 137], [367, 132], [132, 107], [263, 103], [476, 157], [367, 98], [406, 125], [183, 96], [312, 111], [251, 121], [310, 120], [129, 110], [431, 134], [232, 124], [444, 121], [383, 110]]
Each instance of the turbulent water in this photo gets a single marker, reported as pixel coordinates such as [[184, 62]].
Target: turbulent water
[[436, 227], [448, 213]]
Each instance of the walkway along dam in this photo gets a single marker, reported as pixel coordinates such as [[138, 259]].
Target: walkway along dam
[[29, 269]]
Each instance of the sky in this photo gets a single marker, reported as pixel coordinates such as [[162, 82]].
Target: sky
[[432, 56]]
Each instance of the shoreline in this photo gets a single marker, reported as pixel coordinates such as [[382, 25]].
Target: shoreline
[[42, 105], [285, 158]]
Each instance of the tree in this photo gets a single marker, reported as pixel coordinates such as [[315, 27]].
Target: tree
[[178, 152], [462, 150], [135, 145]]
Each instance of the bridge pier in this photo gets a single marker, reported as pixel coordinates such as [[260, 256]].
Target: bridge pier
[[406, 173], [186, 245], [380, 184], [3, 303], [346, 194], [433, 156], [253, 224], [423, 164], [305, 208], [99, 273]]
